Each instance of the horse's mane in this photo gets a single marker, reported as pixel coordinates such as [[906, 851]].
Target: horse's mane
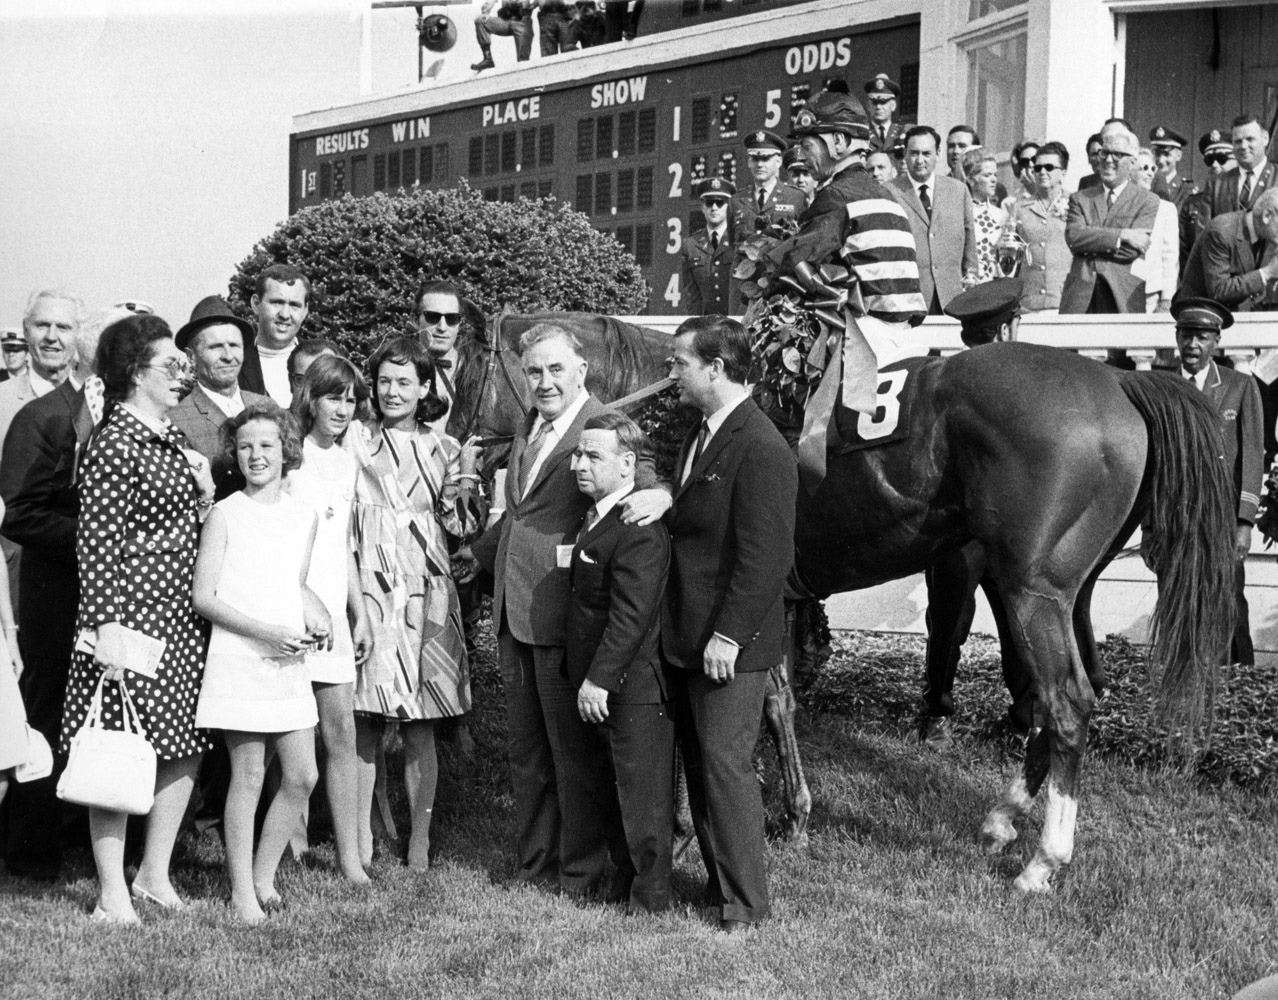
[[624, 355]]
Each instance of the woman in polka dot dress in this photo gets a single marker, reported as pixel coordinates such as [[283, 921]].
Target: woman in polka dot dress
[[141, 493]]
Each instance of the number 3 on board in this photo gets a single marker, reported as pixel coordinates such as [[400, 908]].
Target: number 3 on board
[[887, 408], [672, 292], [675, 243]]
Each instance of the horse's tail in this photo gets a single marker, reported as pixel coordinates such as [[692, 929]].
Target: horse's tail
[[1189, 531]]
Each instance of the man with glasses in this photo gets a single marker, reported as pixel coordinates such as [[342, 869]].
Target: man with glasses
[[1108, 226], [1169, 185], [708, 257], [281, 303], [440, 314], [881, 94], [14, 346], [1236, 189], [1218, 156], [769, 199]]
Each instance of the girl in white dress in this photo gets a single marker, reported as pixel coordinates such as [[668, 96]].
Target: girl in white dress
[[325, 405], [250, 582]]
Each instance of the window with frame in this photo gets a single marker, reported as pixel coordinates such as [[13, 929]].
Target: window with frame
[[996, 71], [983, 8]]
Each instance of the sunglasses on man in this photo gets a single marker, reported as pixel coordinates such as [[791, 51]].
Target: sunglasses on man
[[1216, 159], [1045, 168], [432, 318]]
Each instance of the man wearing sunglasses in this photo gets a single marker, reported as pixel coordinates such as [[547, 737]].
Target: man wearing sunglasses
[[1218, 156], [769, 199], [1169, 184], [440, 315], [1107, 227], [708, 257], [881, 95]]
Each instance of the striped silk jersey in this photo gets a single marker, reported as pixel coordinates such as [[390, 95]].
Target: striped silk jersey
[[855, 220]]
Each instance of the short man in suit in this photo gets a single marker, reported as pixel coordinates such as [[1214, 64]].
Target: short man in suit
[[214, 341], [769, 199], [1107, 227], [940, 213], [1237, 189], [1169, 184], [41, 511], [709, 257], [1237, 400], [722, 623], [281, 303], [618, 579], [882, 94], [528, 551]]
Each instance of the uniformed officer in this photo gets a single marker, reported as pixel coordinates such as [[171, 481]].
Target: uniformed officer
[[990, 312], [709, 257], [1169, 185], [769, 198], [1218, 156], [798, 174], [1217, 151], [881, 95]]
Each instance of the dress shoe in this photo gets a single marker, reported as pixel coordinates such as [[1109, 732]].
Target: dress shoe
[[938, 732], [485, 63], [733, 926]]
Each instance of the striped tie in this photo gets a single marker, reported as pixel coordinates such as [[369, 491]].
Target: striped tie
[[1244, 196]]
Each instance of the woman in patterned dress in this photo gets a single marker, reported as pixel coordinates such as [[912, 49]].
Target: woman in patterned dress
[[406, 504], [1040, 222], [981, 171], [141, 494]]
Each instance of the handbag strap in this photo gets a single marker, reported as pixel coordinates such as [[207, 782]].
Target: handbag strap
[[129, 713]]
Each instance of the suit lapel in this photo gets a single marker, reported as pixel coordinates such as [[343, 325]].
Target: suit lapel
[[1213, 388], [716, 443], [906, 188]]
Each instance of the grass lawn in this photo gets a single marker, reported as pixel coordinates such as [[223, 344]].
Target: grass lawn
[[1171, 894]]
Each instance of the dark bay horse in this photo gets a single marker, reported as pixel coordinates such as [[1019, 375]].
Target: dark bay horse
[[1044, 463]]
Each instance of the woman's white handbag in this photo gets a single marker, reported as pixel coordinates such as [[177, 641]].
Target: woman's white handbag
[[110, 769]]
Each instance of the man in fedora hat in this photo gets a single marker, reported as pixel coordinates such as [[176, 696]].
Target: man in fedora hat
[[214, 341]]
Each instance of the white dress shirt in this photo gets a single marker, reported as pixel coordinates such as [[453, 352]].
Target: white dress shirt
[[554, 434]]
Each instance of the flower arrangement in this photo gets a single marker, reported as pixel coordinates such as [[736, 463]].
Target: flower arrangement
[[1267, 512]]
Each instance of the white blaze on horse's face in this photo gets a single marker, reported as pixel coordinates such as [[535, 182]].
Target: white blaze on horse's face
[[556, 375]]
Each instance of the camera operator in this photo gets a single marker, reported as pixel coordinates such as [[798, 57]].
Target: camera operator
[[513, 19]]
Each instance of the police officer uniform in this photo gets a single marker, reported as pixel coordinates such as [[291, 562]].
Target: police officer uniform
[[884, 137], [1178, 189], [782, 204], [983, 309], [1195, 212], [709, 289]]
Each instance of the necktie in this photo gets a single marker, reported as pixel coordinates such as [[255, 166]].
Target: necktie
[[529, 458], [592, 516], [1110, 198], [883, 134], [714, 241], [1244, 196], [443, 363], [762, 199], [702, 436], [927, 201]]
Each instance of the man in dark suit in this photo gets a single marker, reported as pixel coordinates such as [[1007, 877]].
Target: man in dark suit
[[1237, 189], [618, 578], [528, 551], [709, 257], [940, 211], [1235, 261], [769, 199], [214, 341], [1237, 400], [722, 627], [1108, 226], [41, 510]]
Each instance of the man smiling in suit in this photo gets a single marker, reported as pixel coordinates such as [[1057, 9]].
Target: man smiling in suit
[[618, 576], [722, 623], [1107, 227], [940, 211]]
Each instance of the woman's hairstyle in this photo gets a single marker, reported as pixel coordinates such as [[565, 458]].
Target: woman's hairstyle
[[1056, 149], [271, 412], [973, 160], [408, 351], [126, 347], [328, 375]]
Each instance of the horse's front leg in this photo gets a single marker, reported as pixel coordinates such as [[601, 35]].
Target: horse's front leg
[[778, 712]]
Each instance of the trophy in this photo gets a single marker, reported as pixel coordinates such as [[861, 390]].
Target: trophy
[[1011, 254]]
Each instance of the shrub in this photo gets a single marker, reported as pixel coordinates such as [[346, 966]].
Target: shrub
[[366, 256]]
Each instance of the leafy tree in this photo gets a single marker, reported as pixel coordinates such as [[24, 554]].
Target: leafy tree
[[366, 256]]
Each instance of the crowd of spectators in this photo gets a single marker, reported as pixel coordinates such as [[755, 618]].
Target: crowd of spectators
[[562, 25]]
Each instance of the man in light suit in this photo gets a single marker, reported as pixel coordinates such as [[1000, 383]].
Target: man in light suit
[[1237, 400], [214, 341], [618, 579], [42, 508], [528, 551], [1107, 227], [1237, 188], [722, 622], [940, 211]]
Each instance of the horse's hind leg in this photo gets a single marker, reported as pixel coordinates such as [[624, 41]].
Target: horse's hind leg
[[1041, 621]]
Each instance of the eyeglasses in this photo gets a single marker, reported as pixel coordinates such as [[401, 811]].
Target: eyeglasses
[[882, 100], [1025, 162], [15, 348], [1045, 168], [1217, 159], [1113, 154], [432, 318], [174, 368], [714, 202]]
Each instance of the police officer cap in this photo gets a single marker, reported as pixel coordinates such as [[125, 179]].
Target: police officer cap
[[12, 337], [1164, 136], [1202, 314], [794, 158], [883, 84], [765, 142], [717, 187], [988, 303], [829, 112], [1215, 141]]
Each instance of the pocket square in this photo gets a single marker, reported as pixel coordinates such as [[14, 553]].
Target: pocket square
[[585, 557], [710, 477]]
